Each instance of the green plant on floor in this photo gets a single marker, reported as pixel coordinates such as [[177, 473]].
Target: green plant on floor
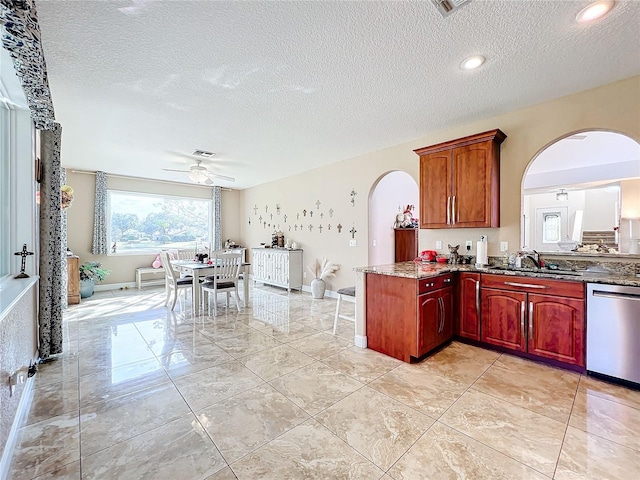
[[93, 271]]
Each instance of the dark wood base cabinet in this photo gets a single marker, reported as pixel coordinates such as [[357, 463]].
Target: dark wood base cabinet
[[538, 316], [407, 318], [469, 306]]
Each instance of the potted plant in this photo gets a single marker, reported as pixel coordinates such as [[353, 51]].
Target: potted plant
[[90, 272], [321, 271]]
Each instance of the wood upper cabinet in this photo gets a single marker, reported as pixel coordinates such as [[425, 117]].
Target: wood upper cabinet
[[460, 182], [539, 316], [469, 305], [406, 244]]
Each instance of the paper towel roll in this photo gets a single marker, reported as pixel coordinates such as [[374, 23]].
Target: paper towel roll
[[481, 255]]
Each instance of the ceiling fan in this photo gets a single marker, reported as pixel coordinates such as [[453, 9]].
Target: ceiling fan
[[200, 174]]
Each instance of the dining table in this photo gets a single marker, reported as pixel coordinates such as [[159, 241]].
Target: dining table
[[200, 270]]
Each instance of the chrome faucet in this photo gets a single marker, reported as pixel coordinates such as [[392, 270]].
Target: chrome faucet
[[534, 257]]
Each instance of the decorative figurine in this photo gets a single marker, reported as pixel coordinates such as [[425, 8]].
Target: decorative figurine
[[453, 254], [24, 254]]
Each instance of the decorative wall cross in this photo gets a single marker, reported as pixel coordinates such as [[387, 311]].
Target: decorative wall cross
[[265, 224], [260, 218], [285, 218], [339, 227], [311, 213], [321, 215], [331, 212], [271, 216], [297, 216], [255, 210], [301, 226], [353, 197], [278, 208], [304, 212], [289, 227], [266, 208], [320, 228], [295, 227], [329, 227], [310, 227], [24, 254], [318, 205], [353, 232], [249, 220]]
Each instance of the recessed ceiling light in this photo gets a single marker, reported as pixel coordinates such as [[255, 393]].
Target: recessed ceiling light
[[594, 11], [472, 62]]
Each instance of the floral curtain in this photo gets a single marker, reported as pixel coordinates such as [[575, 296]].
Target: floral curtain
[[217, 218], [100, 246], [22, 40], [51, 284]]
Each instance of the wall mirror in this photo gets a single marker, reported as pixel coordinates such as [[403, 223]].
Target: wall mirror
[[583, 189]]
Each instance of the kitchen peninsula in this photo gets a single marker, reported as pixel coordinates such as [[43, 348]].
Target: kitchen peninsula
[[412, 308]]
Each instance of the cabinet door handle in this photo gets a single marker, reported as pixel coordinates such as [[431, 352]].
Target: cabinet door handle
[[530, 320], [526, 285], [478, 298], [440, 314], [448, 210], [522, 310], [453, 210]]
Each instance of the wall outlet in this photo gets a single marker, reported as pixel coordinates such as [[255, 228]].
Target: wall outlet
[[469, 244], [504, 246], [374, 243], [304, 275], [352, 242], [438, 244]]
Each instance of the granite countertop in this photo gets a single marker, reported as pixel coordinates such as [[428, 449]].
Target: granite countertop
[[419, 270]]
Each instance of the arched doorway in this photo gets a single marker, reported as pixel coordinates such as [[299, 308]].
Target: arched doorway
[[391, 193]]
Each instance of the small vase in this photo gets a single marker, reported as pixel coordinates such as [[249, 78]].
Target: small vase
[[86, 288], [318, 286]]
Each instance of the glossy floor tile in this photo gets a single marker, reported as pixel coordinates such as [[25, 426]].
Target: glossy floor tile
[[270, 393]]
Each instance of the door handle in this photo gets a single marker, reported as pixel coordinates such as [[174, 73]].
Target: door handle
[[478, 298], [526, 285], [453, 210], [530, 320], [522, 310]]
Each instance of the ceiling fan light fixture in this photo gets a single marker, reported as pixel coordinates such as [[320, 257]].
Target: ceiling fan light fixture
[[594, 11], [472, 62], [562, 195], [197, 176]]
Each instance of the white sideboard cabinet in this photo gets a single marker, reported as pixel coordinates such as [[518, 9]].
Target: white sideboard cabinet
[[282, 268]]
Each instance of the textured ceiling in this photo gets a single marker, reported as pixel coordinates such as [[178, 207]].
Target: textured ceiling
[[277, 88]]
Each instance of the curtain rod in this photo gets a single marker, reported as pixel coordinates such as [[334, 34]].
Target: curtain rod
[[116, 175]]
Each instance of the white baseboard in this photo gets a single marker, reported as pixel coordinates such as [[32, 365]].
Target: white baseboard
[[114, 286], [360, 341], [18, 420]]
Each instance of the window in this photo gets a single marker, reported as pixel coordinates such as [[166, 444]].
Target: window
[[144, 223], [551, 228]]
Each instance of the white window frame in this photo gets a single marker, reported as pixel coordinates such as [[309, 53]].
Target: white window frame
[[200, 245]]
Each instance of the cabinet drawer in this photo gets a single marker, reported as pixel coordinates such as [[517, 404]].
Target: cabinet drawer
[[534, 285], [434, 283]]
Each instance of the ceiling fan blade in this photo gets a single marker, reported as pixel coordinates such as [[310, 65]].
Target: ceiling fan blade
[[208, 181], [221, 177], [172, 170]]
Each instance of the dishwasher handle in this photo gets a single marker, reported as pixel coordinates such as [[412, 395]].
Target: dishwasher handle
[[616, 295]]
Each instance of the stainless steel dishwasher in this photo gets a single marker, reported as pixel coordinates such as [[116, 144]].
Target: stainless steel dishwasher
[[613, 331]]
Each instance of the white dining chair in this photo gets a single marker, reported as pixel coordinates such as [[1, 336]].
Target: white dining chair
[[225, 279], [173, 281]]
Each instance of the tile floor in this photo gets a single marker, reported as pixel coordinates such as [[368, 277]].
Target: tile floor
[[270, 393]]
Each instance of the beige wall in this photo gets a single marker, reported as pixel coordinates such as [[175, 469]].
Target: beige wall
[[613, 107], [80, 219]]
